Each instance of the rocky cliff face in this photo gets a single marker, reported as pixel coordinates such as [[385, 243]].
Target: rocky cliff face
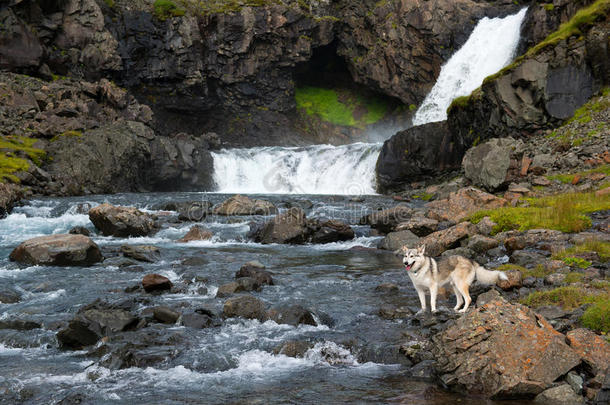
[[146, 85]]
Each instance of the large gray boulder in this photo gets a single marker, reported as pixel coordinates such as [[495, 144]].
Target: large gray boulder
[[396, 240], [122, 221], [501, 350], [58, 250], [290, 227], [418, 153], [486, 165]]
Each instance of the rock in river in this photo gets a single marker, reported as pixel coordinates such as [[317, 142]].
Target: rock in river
[[58, 250], [122, 221]]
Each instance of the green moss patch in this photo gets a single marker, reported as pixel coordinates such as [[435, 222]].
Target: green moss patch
[[164, 9], [69, 134], [597, 316], [341, 106], [16, 152], [568, 297], [600, 247], [539, 271], [207, 7], [562, 212]]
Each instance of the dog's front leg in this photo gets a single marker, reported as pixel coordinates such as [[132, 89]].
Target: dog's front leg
[[433, 294], [422, 299]]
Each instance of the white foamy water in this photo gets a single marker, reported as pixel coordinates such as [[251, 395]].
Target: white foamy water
[[318, 169], [490, 47]]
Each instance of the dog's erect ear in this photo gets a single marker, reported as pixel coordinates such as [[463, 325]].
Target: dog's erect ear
[[421, 250]]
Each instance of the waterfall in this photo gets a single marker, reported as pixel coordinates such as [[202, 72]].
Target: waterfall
[[490, 47], [350, 169], [317, 169]]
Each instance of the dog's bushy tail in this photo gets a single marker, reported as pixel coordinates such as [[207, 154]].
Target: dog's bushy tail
[[485, 276]]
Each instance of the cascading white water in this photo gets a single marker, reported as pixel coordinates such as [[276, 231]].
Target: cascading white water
[[317, 169], [490, 47], [350, 169]]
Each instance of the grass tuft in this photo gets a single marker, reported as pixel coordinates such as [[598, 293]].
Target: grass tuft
[[568, 297], [562, 212], [597, 316], [164, 9], [539, 271], [600, 247]]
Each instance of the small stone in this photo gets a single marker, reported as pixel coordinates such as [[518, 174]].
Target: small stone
[[196, 233], [387, 288], [156, 282], [575, 381], [165, 315], [555, 279], [561, 395]]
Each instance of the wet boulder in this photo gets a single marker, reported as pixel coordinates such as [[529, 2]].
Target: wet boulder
[[332, 231], [148, 347], [165, 315], [122, 221], [594, 350], [143, 253], [420, 226], [79, 230], [293, 348], [240, 285], [58, 250], [156, 282], [292, 315], [242, 205], [396, 240], [245, 306], [501, 350], [256, 271], [9, 295], [196, 233], [10, 194], [200, 318], [290, 227], [77, 335], [386, 220], [191, 211]]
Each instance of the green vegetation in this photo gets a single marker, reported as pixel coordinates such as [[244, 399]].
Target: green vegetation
[[568, 297], [577, 262], [573, 277], [583, 114], [164, 9], [600, 247], [206, 7], [575, 26], [109, 3], [424, 196], [548, 6], [562, 212], [340, 106], [412, 107], [568, 178], [14, 154], [539, 271], [72, 134], [597, 316]]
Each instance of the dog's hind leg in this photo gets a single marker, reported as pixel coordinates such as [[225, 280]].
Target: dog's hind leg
[[463, 288], [433, 294], [458, 297]]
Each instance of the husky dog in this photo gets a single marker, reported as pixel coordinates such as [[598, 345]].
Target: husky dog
[[460, 272]]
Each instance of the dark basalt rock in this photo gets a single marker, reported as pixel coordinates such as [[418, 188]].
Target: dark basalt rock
[[418, 153]]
